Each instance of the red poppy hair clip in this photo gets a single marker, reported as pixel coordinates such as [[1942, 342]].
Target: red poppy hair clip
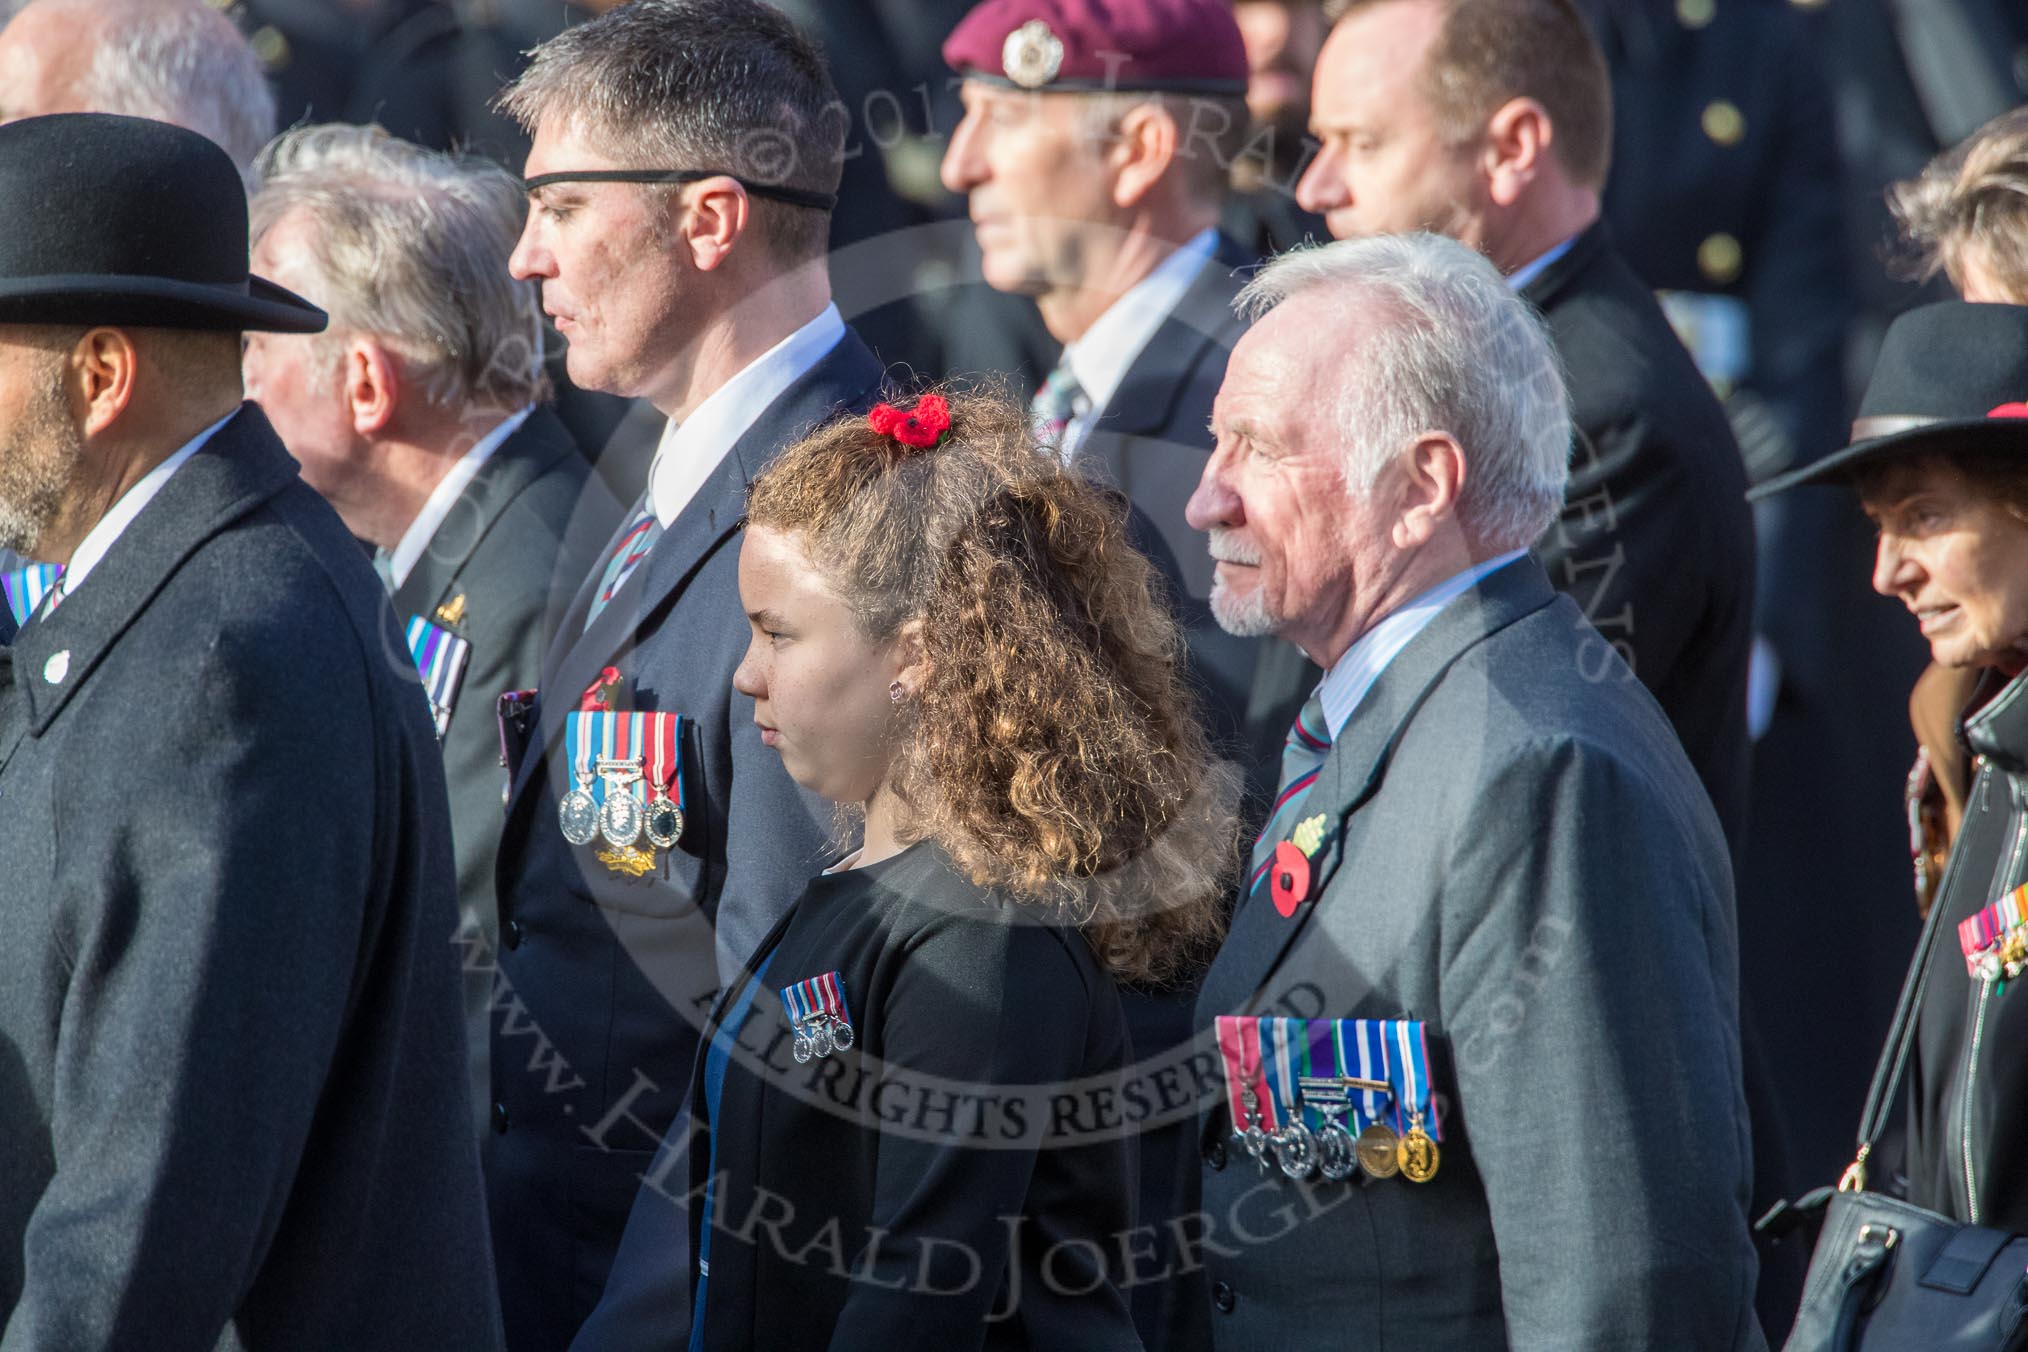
[[922, 427]]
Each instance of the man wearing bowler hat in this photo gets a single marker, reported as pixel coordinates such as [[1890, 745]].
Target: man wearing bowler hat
[[232, 1100]]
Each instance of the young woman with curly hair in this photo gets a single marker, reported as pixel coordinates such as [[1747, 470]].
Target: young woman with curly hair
[[918, 1092]]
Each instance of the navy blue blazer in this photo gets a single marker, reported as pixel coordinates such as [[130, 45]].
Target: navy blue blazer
[[605, 979]]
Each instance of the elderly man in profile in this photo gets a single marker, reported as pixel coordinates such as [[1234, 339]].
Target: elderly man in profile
[[419, 417], [1497, 885], [232, 1108]]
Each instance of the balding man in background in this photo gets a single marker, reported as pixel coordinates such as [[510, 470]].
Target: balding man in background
[[179, 61]]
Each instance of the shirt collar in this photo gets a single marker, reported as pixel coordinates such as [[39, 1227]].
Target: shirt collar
[[1101, 355], [114, 523], [1528, 272], [1345, 685], [445, 495], [690, 451]]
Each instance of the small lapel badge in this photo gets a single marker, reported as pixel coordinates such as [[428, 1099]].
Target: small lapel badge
[[452, 612], [1289, 878], [57, 667], [1309, 835]]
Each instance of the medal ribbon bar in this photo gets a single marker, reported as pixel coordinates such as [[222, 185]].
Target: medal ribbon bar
[[25, 588], [1995, 939]]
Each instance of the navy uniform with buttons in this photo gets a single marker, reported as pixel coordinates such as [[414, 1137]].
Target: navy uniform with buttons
[[605, 978]]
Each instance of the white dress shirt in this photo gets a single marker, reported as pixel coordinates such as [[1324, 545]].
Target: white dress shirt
[[114, 523], [691, 451], [1102, 355], [1345, 685], [438, 505]]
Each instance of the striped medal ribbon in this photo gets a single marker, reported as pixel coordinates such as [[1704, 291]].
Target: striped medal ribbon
[[1995, 940], [1417, 1155], [664, 736], [819, 1016], [25, 588], [1252, 1107], [578, 810], [441, 657], [621, 811]]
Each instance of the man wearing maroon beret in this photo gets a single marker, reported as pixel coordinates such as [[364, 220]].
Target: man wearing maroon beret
[[1095, 151]]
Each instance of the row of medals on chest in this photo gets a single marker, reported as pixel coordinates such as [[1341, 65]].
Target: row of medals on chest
[[1378, 1150], [623, 820]]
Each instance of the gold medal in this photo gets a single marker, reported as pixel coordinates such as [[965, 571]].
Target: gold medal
[[1379, 1151], [1418, 1154]]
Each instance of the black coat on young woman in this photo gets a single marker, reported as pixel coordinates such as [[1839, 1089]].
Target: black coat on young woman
[[914, 1190], [938, 1129]]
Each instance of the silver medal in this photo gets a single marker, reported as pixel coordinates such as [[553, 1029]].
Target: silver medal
[[802, 1049], [578, 814], [841, 1035], [665, 823], [820, 1038], [620, 818], [1296, 1150]]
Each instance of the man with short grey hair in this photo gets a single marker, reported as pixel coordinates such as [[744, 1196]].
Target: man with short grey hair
[[1477, 1009], [179, 61], [419, 416], [686, 156]]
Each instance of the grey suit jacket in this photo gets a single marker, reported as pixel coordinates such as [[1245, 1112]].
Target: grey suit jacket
[[232, 1112], [1525, 861], [497, 573]]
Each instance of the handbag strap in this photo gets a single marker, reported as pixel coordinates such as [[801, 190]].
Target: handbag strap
[[1893, 1064]]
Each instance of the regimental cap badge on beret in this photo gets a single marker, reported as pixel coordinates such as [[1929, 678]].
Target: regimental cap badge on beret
[[1033, 55]]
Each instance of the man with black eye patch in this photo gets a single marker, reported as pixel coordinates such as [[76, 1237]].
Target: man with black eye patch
[[677, 226]]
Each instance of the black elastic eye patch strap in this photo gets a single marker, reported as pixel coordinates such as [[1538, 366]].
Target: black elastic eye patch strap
[[819, 201]]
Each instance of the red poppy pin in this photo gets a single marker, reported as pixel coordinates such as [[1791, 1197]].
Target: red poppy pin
[[598, 696], [2014, 410], [921, 427], [1289, 878]]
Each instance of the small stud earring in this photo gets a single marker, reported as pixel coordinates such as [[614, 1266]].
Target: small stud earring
[[894, 692]]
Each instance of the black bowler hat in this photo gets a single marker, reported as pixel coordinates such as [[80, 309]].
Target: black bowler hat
[[124, 221], [1951, 377]]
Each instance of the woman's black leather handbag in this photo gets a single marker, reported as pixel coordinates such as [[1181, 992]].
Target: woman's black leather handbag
[[1887, 1276]]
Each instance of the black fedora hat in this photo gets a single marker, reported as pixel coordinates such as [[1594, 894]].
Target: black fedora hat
[[125, 221], [1952, 376]]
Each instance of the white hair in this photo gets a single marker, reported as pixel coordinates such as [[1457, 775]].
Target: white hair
[[411, 245], [177, 61], [1449, 347]]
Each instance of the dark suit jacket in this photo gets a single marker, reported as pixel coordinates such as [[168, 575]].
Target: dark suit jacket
[[232, 1111], [1655, 543], [604, 979], [1523, 859], [1151, 440], [957, 1001], [499, 564]]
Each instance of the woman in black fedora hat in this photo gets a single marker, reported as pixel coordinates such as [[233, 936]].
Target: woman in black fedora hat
[[1939, 458]]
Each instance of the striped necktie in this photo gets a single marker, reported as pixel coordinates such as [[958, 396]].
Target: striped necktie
[[1309, 741], [1055, 405], [634, 543]]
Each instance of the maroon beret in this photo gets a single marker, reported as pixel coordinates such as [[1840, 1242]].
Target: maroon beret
[[1167, 46]]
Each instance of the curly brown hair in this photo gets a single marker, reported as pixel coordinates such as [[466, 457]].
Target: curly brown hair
[[1054, 750]]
